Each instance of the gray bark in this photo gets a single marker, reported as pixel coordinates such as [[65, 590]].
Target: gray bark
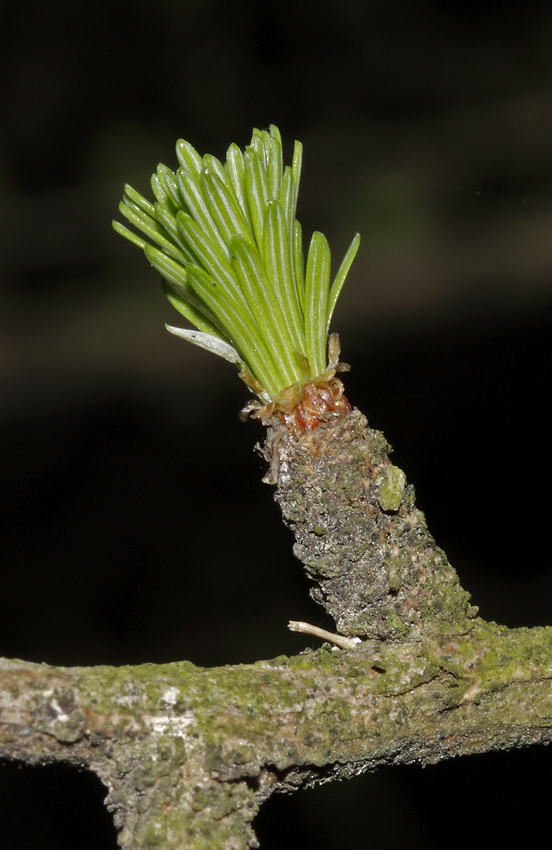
[[188, 754]]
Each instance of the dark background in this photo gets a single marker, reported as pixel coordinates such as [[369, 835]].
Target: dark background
[[135, 524]]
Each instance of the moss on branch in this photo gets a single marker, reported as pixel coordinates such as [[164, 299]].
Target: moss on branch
[[374, 565], [188, 754]]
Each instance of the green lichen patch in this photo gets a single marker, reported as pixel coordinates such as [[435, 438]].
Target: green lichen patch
[[490, 657], [376, 569], [392, 488]]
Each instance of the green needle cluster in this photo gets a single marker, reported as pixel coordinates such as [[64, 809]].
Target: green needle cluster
[[225, 238]]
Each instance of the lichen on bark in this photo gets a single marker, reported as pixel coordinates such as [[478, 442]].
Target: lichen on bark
[[374, 565], [188, 754]]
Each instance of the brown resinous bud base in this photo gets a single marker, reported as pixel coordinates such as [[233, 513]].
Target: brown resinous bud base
[[303, 406]]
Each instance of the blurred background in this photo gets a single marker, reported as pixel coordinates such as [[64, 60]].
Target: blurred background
[[135, 527]]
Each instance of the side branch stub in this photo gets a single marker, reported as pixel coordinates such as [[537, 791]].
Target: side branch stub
[[375, 567]]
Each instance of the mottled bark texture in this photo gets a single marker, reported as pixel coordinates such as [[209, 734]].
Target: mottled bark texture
[[188, 754], [375, 567]]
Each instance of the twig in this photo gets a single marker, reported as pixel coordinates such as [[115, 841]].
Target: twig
[[339, 640]]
